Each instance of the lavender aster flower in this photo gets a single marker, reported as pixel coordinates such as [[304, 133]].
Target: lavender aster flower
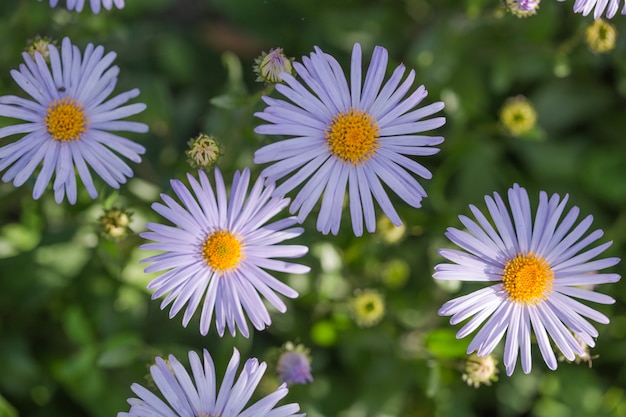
[[69, 121], [537, 269], [219, 250], [355, 136], [78, 5], [183, 397], [599, 7]]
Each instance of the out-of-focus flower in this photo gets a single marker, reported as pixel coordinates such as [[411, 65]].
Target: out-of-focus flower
[[480, 370], [600, 36], [96, 5], [518, 115], [583, 357], [537, 268], [68, 123], [599, 7], [352, 136], [180, 396], [203, 152], [522, 8], [219, 249], [270, 65], [368, 307], [294, 364], [40, 45], [114, 223]]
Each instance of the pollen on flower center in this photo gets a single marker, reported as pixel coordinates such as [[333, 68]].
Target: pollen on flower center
[[353, 136], [66, 120], [527, 278], [222, 250]]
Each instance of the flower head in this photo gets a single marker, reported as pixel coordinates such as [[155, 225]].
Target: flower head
[[219, 249], [522, 8], [536, 268], [480, 370], [270, 65], [598, 7], [68, 123], [180, 396], [353, 136], [368, 307], [96, 5], [518, 116], [600, 36], [204, 151], [294, 364]]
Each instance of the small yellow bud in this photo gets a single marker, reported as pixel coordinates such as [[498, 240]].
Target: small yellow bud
[[114, 223], [600, 36], [480, 370], [203, 152], [39, 44], [368, 307], [518, 116]]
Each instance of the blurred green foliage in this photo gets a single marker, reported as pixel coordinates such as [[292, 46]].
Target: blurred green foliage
[[77, 326]]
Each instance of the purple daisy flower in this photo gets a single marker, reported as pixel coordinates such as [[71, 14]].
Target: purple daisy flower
[[68, 123], [78, 5], [219, 249], [599, 7], [537, 269], [355, 136], [183, 397]]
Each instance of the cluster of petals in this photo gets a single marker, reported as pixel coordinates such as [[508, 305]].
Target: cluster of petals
[[599, 8], [315, 100], [85, 81], [188, 278], [203, 396], [96, 5], [557, 314]]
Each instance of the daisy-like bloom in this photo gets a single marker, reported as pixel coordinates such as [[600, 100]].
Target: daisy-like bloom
[[219, 250], [537, 268], [354, 136], [180, 396], [69, 122], [96, 5], [599, 7]]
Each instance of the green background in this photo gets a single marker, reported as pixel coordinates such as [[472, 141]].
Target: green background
[[77, 326]]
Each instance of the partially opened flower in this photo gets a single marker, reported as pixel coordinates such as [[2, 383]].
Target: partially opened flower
[[536, 269], [218, 250], [180, 396], [68, 123], [96, 5], [355, 136], [599, 7]]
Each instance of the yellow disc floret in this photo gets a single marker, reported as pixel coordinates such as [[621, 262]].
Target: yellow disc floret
[[528, 279], [66, 120], [222, 250], [353, 136]]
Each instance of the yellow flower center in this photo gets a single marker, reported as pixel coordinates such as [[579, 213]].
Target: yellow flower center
[[222, 250], [353, 136], [66, 120], [528, 279]]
